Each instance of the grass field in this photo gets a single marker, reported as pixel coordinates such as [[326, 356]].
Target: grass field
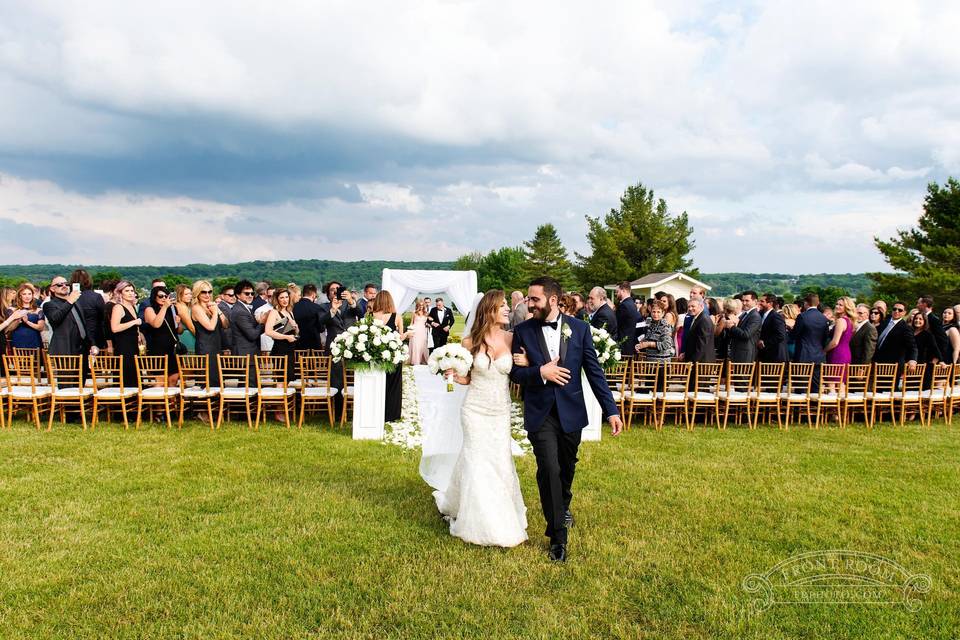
[[286, 534]]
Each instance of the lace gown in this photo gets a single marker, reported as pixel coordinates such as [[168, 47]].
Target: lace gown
[[483, 500]]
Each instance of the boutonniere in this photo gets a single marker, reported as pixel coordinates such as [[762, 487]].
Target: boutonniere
[[566, 331]]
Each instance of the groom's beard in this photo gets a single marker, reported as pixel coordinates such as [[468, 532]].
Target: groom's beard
[[539, 314]]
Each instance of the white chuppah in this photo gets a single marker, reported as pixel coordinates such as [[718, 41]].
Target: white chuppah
[[405, 284]]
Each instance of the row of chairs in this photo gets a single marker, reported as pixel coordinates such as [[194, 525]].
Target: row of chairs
[[253, 384], [649, 390]]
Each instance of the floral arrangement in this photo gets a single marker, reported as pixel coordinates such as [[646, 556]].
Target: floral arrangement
[[608, 351], [370, 345], [450, 356]]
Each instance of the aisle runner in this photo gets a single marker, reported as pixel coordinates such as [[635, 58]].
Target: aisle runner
[[406, 433]]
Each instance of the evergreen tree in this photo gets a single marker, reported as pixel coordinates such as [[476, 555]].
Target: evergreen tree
[[926, 258], [545, 255], [640, 237], [499, 269]]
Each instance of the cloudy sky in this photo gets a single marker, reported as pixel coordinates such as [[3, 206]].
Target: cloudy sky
[[173, 132]]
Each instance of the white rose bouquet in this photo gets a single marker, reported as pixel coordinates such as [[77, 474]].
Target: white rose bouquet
[[608, 351], [370, 344], [450, 356]]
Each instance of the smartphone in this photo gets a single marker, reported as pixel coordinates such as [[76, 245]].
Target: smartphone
[[75, 287], [343, 294]]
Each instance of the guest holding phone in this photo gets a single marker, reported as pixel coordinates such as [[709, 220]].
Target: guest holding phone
[[160, 330], [125, 326]]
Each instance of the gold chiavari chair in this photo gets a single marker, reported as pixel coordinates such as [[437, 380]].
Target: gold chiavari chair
[[766, 394], [24, 388], [952, 394], [796, 395], [272, 387], [347, 391], [195, 385], [107, 372], [855, 398], [4, 393], [67, 384], [642, 391], [935, 398], [155, 390], [235, 385], [39, 359], [737, 391], [316, 391], [674, 391], [705, 392], [910, 393], [881, 391], [829, 392]]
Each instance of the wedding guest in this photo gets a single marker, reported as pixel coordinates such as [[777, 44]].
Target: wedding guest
[[418, 338], [669, 306], [26, 321], [260, 315], [657, 342], [183, 307], [809, 333], [696, 292], [732, 307], [698, 340], [69, 337], [953, 334], [627, 318], [519, 311], [838, 349], [566, 303], [601, 316], [125, 326], [429, 304], [934, 324], [244, 329], [864, 341], [772, 346], [896, 343], [210, 324], [581, 312], [227, 298], [369, 293], [160, 330], [885, 318], [790, 314], [282, 327], [382, 308], [306, 312], [8, 297], [681, 305], [744, 330], [876, 319], [90, 306], [440, 321], [263, 295], [928, 352], [142, 307], [295, 293], [338, 315]]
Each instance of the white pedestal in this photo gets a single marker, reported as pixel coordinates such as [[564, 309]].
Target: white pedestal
[[369, 399], [594, 413]]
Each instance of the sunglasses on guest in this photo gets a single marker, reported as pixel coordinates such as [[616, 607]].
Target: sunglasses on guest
[[206, 291], [899, 310]]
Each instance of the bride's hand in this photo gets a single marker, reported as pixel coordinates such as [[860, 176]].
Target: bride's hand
[[521, 359], [450, 373]]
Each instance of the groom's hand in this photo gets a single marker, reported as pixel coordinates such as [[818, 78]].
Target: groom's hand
[[553, 372], [616, 425]]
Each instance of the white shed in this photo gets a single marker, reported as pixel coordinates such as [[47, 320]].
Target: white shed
[[676, 283]]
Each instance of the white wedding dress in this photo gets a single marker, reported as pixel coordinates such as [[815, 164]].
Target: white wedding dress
[[483, 500]]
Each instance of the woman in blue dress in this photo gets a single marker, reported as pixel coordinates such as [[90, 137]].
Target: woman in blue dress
[[25, 330]]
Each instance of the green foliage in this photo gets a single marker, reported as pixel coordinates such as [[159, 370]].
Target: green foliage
[[499, 269], [828, 295], [640, 237], [926, 258], [545, 255], [789, 286]]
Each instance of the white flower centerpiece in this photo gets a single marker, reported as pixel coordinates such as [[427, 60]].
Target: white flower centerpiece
[[371, 349], [608, 351], [450, 356]]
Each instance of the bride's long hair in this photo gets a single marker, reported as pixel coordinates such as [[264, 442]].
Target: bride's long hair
[[487, 318]]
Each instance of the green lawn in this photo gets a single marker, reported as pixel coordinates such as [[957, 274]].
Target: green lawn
[[286, 534]]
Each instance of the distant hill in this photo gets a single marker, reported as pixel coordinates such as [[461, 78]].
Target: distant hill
[[727, 284], [353, 274]]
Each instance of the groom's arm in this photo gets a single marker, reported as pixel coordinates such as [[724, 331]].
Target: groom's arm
[[597, 379], [528, 376]]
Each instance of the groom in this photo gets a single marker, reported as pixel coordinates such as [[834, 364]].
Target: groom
[[558, 348]]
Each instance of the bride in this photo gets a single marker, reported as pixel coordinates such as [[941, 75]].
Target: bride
[[483, 501]]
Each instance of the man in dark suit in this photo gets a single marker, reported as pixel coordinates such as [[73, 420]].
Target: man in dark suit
[[307, 315], [264, 293], [627, 318], [864, 340], [70, 334], [244, 328], [369, 293], [896, 343], [336, 316], [228, 299], [925, 306], [744, 331], [810, 334], [601, 315], [698, 339], [773, 331], [440, 320], [699, 293]]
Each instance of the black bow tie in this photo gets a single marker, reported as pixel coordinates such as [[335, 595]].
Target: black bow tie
[[552, 325]]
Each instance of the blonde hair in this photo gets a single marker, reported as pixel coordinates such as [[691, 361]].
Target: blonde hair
[[198, 286], [179, 291], [421, 307], [791, 311], [295, 293], [849, 308]]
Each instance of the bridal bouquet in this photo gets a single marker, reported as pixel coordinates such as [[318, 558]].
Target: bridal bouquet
[[608, 351], [370, 344], [450, 356]]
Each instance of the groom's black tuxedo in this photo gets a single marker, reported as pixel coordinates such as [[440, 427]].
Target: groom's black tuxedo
[[445, 320], [555, 415]]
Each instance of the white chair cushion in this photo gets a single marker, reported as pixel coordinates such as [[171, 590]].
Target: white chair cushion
[[794, 397], [827, 397], [855, 397], [349, 391], [117, 392], [908, 395], [936, 394], [27, 392], [767, 396], [239, 392], [296, 384], [200, 392], [883, 395], [735, 396], [617, 396], [160, 392], [320, 392], [672, 395], [277, 392], [73, 392], [699, 396]]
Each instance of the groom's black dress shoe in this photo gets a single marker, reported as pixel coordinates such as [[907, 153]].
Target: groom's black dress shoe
[[568, 519], [558, 552]]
